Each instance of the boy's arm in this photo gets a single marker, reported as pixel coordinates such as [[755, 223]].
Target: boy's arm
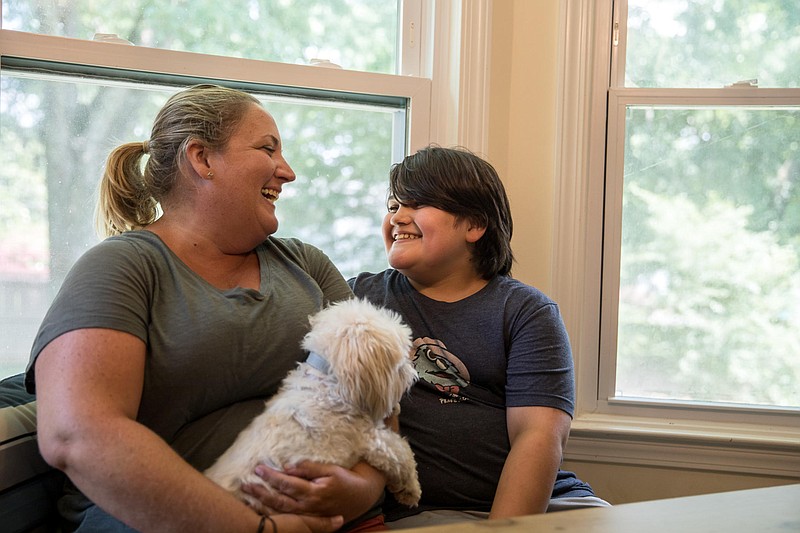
[[538, 436]]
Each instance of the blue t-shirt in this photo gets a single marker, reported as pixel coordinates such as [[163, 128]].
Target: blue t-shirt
[[504, 346]]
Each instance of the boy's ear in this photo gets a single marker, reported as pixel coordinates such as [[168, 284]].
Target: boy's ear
[[475, 232], [197, 157]]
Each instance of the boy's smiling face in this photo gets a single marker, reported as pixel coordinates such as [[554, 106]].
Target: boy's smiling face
[[427, 244]]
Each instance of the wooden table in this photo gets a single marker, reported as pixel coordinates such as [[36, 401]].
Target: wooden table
[[747, 511]]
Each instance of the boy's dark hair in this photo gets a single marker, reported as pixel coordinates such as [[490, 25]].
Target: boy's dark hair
[[459, 182]]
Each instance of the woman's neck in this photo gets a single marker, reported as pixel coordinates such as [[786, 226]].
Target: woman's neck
[[208, 259]]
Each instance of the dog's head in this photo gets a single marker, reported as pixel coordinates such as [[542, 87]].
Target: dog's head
[[368, 349]]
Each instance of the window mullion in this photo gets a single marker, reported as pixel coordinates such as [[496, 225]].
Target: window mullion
[[743, 97], [612, 237], [410, 37]]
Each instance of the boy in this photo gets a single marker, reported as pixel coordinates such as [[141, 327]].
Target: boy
[[489, 418]]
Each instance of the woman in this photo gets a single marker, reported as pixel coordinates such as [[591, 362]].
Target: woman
[[166, 337]]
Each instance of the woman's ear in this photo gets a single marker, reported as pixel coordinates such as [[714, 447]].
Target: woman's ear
[[197, 157]]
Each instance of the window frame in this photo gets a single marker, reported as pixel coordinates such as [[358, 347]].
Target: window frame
[[591, 103], [63, 51]]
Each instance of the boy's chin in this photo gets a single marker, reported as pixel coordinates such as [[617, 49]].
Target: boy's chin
[[398, 260]]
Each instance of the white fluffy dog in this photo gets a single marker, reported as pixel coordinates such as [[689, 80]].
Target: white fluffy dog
[[331, 408]]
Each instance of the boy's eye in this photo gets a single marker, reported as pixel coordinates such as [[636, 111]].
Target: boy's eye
[[393, 205]]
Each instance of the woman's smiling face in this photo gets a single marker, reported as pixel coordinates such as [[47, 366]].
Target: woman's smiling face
[[250, 172]]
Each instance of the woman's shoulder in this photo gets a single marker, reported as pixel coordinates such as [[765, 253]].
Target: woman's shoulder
[[137, 241], [132, 250], [292, 250], [287, 243], [289, 246], [127, 247]]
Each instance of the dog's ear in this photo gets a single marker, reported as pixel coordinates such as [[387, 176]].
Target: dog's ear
[[367, 350], [377, 372]]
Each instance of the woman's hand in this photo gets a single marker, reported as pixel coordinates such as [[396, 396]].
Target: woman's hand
[[320, 489]]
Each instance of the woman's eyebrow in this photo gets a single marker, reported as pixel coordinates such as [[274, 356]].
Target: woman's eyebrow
[[270, 137]]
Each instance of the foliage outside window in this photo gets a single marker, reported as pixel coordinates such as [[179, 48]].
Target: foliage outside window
[[354, 34]]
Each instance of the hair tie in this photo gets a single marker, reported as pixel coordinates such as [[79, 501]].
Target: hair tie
[[146, 146]]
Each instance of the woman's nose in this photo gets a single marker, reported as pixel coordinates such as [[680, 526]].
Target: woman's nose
[[284, 171]]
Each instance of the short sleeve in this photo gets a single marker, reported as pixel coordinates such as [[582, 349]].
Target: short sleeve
[[108, 287]]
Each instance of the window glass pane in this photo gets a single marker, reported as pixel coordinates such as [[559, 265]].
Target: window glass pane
[[56, 133], [710, 261], [712, 43], [354, 34]]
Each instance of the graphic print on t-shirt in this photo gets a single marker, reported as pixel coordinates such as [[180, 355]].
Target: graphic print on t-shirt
[[439, 367]]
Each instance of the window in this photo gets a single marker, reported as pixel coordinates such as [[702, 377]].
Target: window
[[67, 96], [678, 249], [706, 269]]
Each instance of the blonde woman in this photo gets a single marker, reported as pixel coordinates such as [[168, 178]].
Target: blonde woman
[[166, 338]]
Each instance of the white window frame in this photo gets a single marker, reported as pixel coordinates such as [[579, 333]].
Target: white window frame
[[605, 429], [52, 49]]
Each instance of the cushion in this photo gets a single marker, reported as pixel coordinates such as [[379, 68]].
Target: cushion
[[28, 486]]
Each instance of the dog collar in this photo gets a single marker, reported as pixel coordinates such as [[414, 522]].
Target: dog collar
[[315, 360]]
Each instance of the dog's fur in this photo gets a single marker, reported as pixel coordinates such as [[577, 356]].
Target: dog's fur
[[335, 417]]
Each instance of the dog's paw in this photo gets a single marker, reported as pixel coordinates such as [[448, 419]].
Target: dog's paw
[[254, 503], [409, 495], [250, 500]]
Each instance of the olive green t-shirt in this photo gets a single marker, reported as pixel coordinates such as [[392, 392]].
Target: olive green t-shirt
[[213, 355]]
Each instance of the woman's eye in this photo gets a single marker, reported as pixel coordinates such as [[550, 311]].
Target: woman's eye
[[392, 208], [269, 149]]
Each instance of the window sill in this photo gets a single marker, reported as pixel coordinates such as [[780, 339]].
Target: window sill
[[738, 448]]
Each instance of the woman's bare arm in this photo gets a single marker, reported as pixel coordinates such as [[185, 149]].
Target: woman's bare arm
[[89, 385]]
